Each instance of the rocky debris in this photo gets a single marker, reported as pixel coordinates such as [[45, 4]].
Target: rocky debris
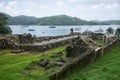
[[17, 51], [46, 64], [53, 63], [43, 62], [65, 59], [29, 67], [58, 53], [59, 63]]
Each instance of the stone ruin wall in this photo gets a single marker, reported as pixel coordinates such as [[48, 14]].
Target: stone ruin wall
[[76, 48], [47, 38], [80, 62], [26, 39], [84, 58], [41, 48], [10, 41], [97, 36], [17, 42]]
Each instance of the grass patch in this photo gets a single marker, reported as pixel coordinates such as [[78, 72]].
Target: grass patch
[[11, 65], [106, 68], [5, 51], [55, 49], [100, 42]]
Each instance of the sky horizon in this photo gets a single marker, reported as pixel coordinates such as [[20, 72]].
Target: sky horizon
[[84, 9]]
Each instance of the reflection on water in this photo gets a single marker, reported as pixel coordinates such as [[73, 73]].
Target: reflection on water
[[58, 30]]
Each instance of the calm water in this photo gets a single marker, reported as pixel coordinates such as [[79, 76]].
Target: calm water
[[59, 30]]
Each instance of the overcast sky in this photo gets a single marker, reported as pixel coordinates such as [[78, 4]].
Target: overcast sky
[[84, 9]]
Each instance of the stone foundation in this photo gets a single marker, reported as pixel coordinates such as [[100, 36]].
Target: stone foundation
[[47, 38], [41, 48], [80, 62]]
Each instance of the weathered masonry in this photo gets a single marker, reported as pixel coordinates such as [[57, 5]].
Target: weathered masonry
[[45, 45], [27, 43], [80, 61]]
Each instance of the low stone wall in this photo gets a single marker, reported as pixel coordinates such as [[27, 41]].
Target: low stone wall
[[80, 62], [110, 45], [17, 39], [76, 64], [40, 48], [47, 38], [13, 38]]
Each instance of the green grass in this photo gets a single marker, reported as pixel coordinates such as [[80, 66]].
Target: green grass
[[12, 65], [106, 68], [100, 42], [4, 51]]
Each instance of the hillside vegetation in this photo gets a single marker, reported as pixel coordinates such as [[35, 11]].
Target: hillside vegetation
[[55, 20]]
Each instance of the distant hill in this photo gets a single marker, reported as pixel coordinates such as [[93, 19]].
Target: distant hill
[[55, 20], [112, 22], [22, 20], [61, 20], [108, 22]]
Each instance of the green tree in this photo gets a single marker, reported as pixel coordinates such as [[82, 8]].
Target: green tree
[[110, 30], [4, 29], [117, 32]]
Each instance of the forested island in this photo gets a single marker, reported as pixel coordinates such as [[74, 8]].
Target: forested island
[[56, 20]]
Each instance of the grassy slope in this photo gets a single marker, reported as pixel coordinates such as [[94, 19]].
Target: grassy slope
[[106, 68], [11, 66]]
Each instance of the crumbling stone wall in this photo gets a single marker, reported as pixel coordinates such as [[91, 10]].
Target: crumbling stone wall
[[41, 48], [97, 36], [80, 62], [9, 41], [13, 38], [47, 38], [6, 43], [77, 47], [26, 38]]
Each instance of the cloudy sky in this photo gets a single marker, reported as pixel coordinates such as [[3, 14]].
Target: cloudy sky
[[84, 9]]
